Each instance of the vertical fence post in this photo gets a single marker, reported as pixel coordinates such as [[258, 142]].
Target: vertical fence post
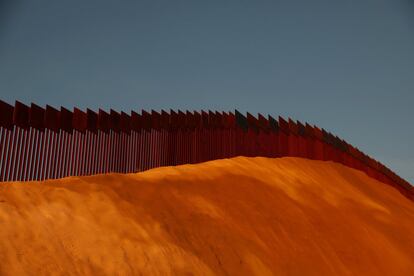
[[293, 139], [52, 123], [30, 154], [264, 133], [283, 137], [156, 131], [115, 126], [80, 126], [3, 131], [125, 128], [21, 123], [66, 118], [6, 125], [274, 126], [241, 131], [147, 143], [310, 141], [165, 126], [136, 127], [92, 128], [103, 126]]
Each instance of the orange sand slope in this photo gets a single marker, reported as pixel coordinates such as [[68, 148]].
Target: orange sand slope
[[238, 216]]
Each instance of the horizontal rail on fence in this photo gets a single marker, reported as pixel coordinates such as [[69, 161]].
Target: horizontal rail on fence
[[39, 143]]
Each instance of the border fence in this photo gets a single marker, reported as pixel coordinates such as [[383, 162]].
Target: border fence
[[39, 143]]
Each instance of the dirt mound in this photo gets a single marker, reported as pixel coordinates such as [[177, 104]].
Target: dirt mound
[[233, 216]]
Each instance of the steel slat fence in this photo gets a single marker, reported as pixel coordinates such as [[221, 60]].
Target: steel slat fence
[[44, 143]]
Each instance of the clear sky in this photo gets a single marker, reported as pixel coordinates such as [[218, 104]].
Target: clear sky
[[347, 66]]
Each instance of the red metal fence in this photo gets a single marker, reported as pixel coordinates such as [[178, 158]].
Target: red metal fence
[[43, 143]]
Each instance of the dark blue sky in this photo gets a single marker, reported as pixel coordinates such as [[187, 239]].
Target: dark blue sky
[[347, 66]]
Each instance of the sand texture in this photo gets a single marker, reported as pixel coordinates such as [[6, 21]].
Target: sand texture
[[240, 216]]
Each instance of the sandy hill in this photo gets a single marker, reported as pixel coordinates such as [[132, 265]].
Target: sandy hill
[[240, 216]]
